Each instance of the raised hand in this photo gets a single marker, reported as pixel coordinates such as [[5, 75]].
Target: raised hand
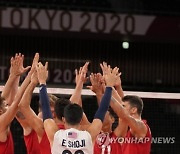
[[35, 62], [111, 76], [17, 67], [96, 83], [81, 74], [42, 72]]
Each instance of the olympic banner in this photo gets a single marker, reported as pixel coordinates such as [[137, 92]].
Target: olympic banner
[[71, 21]]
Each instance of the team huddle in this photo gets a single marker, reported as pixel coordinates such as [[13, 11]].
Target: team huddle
[[61, 127]]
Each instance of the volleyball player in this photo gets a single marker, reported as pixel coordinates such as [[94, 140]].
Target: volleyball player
[[35, 128], [103, 144], [138, 137], [73, 115]]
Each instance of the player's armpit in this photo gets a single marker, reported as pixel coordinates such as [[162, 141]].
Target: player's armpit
[[24, 124], [51, 128]]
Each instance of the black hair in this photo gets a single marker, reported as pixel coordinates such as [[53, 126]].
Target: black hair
[[60, 104], [73, 114], [134, 101]]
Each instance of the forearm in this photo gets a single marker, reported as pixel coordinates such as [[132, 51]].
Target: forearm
[[99, 97], [11, 112], [7, 88], [76, 96], [26, 99], [118, 108], [22, 89], [104, 105], [120, 91], [45, 102], [14, 90]]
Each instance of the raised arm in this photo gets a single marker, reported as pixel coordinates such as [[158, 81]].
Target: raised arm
[[96, 126], [49, 124], [97, 86], [16, 70], [137, 126], [32, 119], [76, 96], [8, 116], [80, 79]]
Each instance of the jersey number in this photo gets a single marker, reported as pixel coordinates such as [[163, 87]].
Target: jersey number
[[69, 152]]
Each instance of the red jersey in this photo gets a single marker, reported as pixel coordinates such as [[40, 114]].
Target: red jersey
[[107, 144], [7, 147], [138, 146], [45, 145], [32, 143]]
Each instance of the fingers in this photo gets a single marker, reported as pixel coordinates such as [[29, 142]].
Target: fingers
[[27, 68], [46, 65]]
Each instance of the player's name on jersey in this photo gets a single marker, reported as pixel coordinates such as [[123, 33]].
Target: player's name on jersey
[[73, 144]]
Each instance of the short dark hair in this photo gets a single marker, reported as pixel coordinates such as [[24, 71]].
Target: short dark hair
[[134, 101], [73, 114], [60, 104]]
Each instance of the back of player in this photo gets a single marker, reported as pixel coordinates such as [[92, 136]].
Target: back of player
[[72, 141]]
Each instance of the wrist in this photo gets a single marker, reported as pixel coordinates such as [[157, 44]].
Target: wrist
[[42, 83], [12, 75], [34, 83], [98, 93], [118, 87]]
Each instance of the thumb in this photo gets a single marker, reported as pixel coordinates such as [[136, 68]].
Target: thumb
[[27, 68]]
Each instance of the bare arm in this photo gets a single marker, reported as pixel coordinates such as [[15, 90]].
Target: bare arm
[[96, 126], [33, 120], [137, 126], [8, 116], [76, 96], [50, 128], [11, 86]]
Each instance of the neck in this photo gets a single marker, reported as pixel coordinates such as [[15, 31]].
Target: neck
[[136, 116], [58, 122], [68, 126]]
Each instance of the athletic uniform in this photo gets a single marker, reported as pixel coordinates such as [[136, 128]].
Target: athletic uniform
[[45, 145], [34, 147], [7, 147], [107, 144], [141, 146], [32, 143], [72, 141]]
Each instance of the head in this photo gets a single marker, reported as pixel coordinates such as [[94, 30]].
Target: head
[[3, 105], [109, 120], [60, 104], [133, 104], [73, 114], [52, 100]]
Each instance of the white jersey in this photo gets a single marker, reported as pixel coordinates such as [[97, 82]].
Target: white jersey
[[72, 141]]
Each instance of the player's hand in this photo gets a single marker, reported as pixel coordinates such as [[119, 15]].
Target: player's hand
[[81, 74], [96, 84], [34, 63], [42, 72], [111, 76], [118, 82], [17, 67]]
